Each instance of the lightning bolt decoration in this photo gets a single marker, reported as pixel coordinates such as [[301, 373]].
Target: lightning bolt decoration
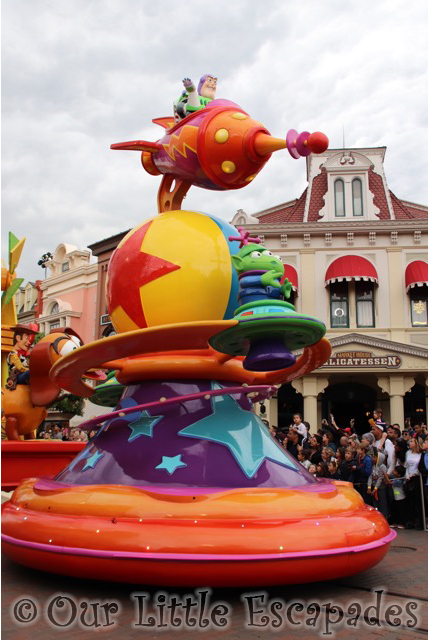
[[187, 139]]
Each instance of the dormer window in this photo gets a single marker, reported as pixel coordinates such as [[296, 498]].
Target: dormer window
[[339, 198], [345, 182], [357, 197]]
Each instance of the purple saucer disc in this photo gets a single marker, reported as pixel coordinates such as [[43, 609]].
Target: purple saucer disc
[[291, 138], [301, 147]]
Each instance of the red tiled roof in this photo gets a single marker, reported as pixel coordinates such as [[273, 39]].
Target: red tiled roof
[[416, 212], [288, 214], [379, 198], [400, 211], [295, 212], [296, 215], [319, 189]]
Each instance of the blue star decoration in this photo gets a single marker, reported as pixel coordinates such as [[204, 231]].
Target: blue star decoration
[[141, 423], [241, 431], [143, 426], [87, 450], [81, 456], [171, 464], [92, 460]]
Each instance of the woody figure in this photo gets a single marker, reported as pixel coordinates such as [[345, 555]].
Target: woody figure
[[19, 372]]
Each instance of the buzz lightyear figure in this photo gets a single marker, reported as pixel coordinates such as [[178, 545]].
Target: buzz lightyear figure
[[192, 100]]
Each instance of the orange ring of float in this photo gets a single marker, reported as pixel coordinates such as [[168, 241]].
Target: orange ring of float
[[149, 535], [181, 349]]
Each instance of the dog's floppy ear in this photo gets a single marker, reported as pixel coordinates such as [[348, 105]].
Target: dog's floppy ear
[[42, 390]]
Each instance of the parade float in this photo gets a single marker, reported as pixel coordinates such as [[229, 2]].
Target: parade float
[[24, 407], [183, 484]]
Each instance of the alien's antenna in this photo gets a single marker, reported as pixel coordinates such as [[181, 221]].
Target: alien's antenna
[[244, 238]]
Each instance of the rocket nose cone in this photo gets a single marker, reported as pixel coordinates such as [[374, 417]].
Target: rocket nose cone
[[265, 144]]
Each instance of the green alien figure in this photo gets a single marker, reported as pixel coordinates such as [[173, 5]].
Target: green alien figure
[[260, 274]]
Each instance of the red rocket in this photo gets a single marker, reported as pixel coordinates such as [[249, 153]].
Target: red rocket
[[219, 147]]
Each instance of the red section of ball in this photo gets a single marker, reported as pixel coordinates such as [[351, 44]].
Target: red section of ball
[[130, 269], [317, 142]]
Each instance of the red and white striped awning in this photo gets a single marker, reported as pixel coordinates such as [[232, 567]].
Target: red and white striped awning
[[291, 273], [351, 268], [416, 274]]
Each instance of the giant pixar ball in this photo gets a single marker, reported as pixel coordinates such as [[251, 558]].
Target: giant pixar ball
[[174, 267]]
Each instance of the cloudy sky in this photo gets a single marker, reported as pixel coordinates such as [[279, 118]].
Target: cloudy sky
[[78, 75]]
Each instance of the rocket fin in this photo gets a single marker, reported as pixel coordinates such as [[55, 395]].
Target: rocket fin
[[136, 145], [166, 122]]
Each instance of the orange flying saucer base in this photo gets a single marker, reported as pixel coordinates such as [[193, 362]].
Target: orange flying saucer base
[[237, 537]]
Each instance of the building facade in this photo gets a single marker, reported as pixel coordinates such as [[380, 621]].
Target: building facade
[[69, 292], [102, 250], [357, 257], [26, 302]]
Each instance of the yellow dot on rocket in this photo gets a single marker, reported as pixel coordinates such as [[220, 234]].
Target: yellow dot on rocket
[[228, 167], [239, 116], [250, 177], [221, 135]]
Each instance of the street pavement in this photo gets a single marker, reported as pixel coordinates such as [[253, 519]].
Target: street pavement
[[402, 577]]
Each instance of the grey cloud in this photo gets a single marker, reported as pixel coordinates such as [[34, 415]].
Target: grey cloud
[[79, 75]]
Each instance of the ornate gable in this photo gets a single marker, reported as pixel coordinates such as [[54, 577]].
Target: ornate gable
[[346, 170]]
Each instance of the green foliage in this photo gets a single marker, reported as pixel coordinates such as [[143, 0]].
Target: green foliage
[[38, 337], [69, 404]]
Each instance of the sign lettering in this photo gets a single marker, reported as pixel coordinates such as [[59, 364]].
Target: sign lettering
[[363, 359]]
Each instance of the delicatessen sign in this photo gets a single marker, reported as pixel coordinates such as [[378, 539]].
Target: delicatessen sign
[[363, 359]]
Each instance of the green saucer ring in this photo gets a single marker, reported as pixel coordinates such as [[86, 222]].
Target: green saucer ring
[[294, 331], [108, 393]]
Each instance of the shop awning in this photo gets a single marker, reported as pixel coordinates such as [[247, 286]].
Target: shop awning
[[416, 274], [291, 273], [351, 268]]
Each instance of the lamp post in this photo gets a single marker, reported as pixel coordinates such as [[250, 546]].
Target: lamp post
[[46, 257]]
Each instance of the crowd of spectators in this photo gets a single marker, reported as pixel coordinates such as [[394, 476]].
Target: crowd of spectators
[[385, 465], [64, 433]]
